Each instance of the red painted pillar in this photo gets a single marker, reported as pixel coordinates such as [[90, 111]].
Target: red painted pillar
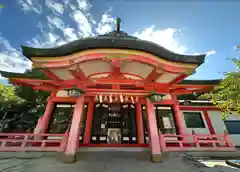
[[88, 126], [73, 138], [42, 125], [153, 133], [140, 134], [209, 122], [178, 115]]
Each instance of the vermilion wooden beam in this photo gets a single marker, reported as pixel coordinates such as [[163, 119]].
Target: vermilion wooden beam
[[51, 75], [116, 91], [79, 74], [153, 76], [45, 87], [116, 63], [22, 84], [178, 79], [172, 69], [116, 81], [25, 80], [189, 86]]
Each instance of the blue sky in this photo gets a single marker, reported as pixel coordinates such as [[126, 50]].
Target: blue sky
[[184, 26]]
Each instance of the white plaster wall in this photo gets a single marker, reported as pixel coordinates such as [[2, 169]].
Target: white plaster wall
[[217, 122], [197, 130], [219, 126]]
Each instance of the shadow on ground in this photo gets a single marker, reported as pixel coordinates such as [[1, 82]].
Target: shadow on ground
[[106, 162]]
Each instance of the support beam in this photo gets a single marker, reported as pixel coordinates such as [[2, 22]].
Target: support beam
[[140, 132], [153, 76], [177, 115], [51, 75], [73, 139], [153, 133], [178, 79], [79, 74], [88, 126], [116, 64], [45, 87], [209, 122]]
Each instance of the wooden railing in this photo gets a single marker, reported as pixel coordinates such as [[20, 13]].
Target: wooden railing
[[196, 142], [20, 142]]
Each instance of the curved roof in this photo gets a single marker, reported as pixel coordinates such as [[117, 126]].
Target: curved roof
[[201, 82], [116, 40]]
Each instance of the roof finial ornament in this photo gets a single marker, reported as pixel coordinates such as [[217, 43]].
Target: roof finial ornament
[[118, 21]]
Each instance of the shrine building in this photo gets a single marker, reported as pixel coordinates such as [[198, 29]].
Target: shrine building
[[115, 90]]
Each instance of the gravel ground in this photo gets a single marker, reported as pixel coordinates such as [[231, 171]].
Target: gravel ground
[[107, 162]]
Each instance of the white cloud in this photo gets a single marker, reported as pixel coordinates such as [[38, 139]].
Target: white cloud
[[211, 52], [55, 22], [11, 60], [78, 13], [84, 25], [57, 7], [106, 24], [70, 34], [165, 38], [56, 31], [30, 5]]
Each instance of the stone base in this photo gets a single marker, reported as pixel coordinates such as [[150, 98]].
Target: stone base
[[156, 158], [69, 158]]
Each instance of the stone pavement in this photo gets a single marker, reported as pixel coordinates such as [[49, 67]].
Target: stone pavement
[[107, 162]]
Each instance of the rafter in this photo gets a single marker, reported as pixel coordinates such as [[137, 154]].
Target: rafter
[[51, 75], [153, 76], [45, 88], [78, 74], [178, 79]]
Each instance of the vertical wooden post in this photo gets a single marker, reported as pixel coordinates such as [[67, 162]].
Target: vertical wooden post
[[42, 125], [209, 122], [73, 139], [88, 126], [177, 115], [153, 133], [140, 134]]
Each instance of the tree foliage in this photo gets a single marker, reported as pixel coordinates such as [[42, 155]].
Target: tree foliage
[[36, 98], [227, 95], [23, 99]]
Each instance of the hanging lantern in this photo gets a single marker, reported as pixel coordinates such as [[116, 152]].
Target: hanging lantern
[[100, 98], [126, 98], [110, 98], [132, 100], [154, 97], [74, 92], [116, 98], [121, 98], [105, 99]]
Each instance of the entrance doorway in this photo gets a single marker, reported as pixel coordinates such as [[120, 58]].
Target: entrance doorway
[[114, 124], [62, 118]]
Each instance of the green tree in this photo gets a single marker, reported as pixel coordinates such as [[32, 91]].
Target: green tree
[[227, 95], [8, 93], [35, 98]]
